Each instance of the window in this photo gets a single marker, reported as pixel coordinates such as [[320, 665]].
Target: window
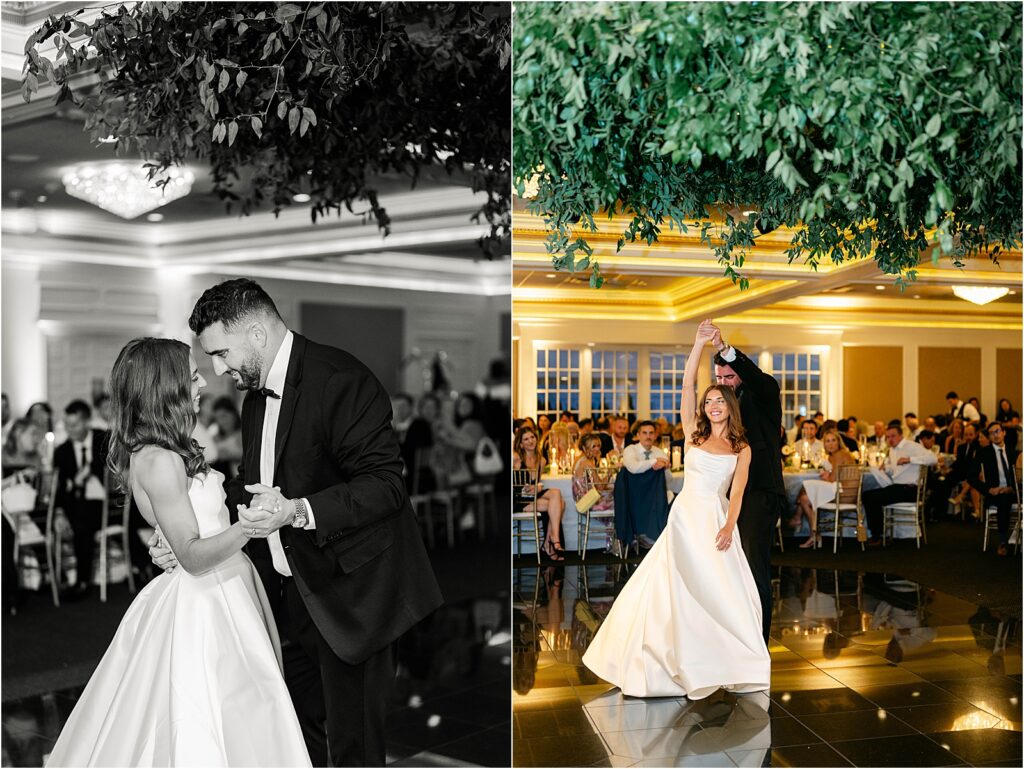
[[614, 383], [799, 377], [667, 385], [558, 380]]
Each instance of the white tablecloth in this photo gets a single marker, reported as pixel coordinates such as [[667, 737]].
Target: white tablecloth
[[569, 521]]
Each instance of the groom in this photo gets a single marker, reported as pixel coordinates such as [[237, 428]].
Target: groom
[[765, 495], [333, 535]]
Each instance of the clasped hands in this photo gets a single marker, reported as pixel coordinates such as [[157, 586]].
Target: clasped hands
[[267, 512], [709, 333]]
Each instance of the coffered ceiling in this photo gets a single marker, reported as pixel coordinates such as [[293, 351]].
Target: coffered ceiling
[[678, 279]]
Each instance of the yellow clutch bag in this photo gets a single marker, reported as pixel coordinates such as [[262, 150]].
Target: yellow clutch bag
[[587, 501]]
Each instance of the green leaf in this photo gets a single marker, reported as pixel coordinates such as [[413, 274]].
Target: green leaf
[[282, 110], [232, 132], [309, 115], [294, 116], [257, 127], [240, 79], [934, 125], [223, 82]]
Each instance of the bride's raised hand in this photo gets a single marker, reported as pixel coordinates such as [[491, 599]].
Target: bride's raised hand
[[723, 540], [705, 332]]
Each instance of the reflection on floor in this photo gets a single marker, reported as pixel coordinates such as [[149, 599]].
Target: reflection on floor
[[450, 705], [867, 670]]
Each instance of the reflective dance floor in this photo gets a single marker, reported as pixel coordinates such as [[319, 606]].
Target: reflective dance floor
[[867, 670]]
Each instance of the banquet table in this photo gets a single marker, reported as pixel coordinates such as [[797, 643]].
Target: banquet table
[[794, 480], [569, 521]]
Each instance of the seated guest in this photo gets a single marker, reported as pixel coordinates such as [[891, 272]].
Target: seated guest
[[1010, 420], [903, 467], [567, 416], [574, 433], [679, 438], [463, 436], [847, 434], [819, 418], [419, 439], [80, 463], [941, 429], [401, 414], [913, 426], [816, 493], [41, 413], [640, 515], [993, 475], [954, 436], [543, 425], [101, 413], [947, 486], [643, 456], [229, 436], [664, 428], [927, 440], [526, 457], [618, 436], [807, 444], [973, 401], [555, 445], [959, 409], [586, 426], [590, 445], [824, 427], [21, 464], [21, 447], [877, 437]]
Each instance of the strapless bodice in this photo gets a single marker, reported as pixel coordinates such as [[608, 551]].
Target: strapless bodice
[[207, 496], [708, 473]]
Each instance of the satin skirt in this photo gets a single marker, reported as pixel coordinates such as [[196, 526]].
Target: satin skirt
[[193, 677], [688, 622]]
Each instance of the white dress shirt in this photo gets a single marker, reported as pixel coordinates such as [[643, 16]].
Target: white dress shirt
[[268, 445], [916, 453], [637, 459], [815, 448], [969, 414]]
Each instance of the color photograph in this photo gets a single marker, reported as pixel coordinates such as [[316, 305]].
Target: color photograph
[[767, 363]]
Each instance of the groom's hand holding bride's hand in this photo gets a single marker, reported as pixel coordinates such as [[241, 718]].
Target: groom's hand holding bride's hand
[[267, 512]]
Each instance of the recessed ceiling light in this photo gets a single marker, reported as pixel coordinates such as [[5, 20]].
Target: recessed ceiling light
[[301, 197], [1012, 292], [22, 157], [551, 275], [879, 288], [917, 296], [590, 344], [154, 217]]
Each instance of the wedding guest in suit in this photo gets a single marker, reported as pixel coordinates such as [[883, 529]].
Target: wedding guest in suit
[[586, 426], [994, 476], [959, 409], [80, 463], [913, 426], [618, 437], [877, 437], [847, 434], [765, 497], [940, 428], [1010, 420], [903, 466], [401, 408], [332, 533]]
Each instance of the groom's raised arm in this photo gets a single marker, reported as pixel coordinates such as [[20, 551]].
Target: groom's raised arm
[[364, 446], [762, 384]]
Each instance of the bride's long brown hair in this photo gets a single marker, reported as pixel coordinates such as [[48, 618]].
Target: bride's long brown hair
[[151, 404], [737, 435]]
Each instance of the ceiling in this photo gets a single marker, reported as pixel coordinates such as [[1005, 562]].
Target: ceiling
[[678, 279], [432, 245]]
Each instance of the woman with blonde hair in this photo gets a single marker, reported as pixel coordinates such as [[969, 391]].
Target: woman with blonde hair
[[821, 491]]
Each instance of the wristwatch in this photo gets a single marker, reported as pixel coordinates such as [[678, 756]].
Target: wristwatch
[[301, 516]]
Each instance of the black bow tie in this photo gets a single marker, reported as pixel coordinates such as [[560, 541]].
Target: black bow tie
[[266, 392]]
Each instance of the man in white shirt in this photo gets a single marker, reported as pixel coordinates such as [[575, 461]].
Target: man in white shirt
[[960, 410], [643, 456], [903, 466], [807, 445]]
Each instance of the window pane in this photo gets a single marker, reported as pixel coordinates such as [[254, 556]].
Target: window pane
[[815, 363], [655, 362], [552, 357], [540, 359], [777, 362], [790, 361], [563, 358], [574, 358]]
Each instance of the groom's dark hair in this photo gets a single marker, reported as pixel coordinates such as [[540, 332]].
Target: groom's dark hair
[[229, 303]]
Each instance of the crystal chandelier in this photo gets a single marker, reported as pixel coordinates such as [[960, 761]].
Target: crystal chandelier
[[125, 189], [980, 294]]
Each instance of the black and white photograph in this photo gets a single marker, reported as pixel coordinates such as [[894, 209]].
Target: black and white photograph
[[256, 375]]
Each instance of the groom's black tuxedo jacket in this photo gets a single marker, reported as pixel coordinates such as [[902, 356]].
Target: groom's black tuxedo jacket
[[761, 411], [363, 573]]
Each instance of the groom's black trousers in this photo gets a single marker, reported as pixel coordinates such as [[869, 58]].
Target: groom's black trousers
[[759, 513], [341, 707]]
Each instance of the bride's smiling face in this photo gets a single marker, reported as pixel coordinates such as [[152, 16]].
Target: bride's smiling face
[[715, 407], [198, 383]]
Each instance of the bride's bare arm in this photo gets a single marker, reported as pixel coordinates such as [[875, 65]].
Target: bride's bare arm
[[160, 474], [689, 406], [739, 483]]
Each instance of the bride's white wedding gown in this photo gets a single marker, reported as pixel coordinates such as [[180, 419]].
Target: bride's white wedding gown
[[688, 621], [193, 675]]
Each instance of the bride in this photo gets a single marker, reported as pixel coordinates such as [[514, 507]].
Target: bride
[[688, 622], [193, 675]]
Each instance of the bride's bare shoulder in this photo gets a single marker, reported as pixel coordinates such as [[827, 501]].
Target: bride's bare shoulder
[[150, 461]]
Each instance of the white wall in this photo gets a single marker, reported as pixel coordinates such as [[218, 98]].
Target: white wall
[[89, 301], [754, 339]]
